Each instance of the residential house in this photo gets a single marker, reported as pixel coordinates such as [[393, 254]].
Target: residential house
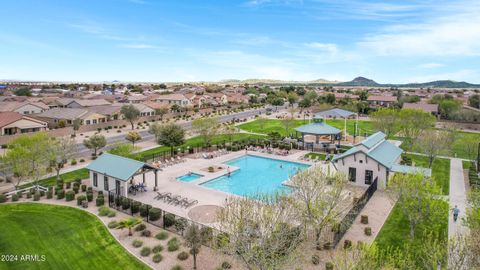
[[112, 112], [12, 123], [426, 107], [25, 107], [171, 99], [238, 99], [381, 101], [135, 99], [59, 117], [83, 103], [372, 159], [216, 98]]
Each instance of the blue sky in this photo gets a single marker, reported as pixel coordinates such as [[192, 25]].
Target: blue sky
[[147, 40]]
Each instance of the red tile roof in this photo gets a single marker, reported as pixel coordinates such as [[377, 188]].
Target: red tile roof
[[7, 118]]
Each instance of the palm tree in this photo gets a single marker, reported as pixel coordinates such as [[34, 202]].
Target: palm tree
[[129, 224]]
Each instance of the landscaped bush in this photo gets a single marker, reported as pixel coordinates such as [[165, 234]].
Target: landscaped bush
[[180, 224], [222, 240], [157, 258], [60, 194], [68, 185], [157, 249], [154, 214], [226, 265], [327, 246], [347, 244], [328, 266], [81, 199], [89, 196], [140, 227], [135, 207], [145, 252], [137, 243], [367, 231], [168, 220], [182, 256], [49, 194], [315, 259], [177, 267], [29, 195], [103, 211], [36, 196], [125, 203], [84, 188], [161, 235], [207, 233], [144, 210], [73, 162], [113, 224], [112, 213], [146, 233], [3, 198], [364, 219], [60, 183], [100, 201], [172, 244], [75, 189], [70, 195], [14, 197]]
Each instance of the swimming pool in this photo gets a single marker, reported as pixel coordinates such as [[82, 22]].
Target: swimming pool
[[189, 177], [256, 175]]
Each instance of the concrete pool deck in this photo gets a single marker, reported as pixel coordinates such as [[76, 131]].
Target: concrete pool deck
[[167, 181]]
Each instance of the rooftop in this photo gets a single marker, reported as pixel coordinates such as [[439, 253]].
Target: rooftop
[[318, 128], [115, 166]]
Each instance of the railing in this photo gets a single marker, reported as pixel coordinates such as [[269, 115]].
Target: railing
[[37, 187], [350, 217]]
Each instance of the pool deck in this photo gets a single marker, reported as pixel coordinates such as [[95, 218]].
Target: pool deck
[[167, 181]]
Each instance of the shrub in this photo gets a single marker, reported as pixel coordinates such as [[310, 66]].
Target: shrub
[[36, 196], [14, 197], [210, 169], [144, 210], [182, 256], [70, 195], [125, 203], [327, 246], [145, 252], [84, 188], [137, 243], [29, 195], [103, 211], [173, 244], [68, 185], [177, 267], [226, 265], [100, 201], [146, 233], [82, 160], [168, 220], [135, 207], [89, 196], [78, 181], [60, 183], [60, 194], [364, 219], [140, 227], [157, 249], [180, 224], [112, 213], [222, 240], [207, 233], [3, 198], [161, 235], [81, 199], [73, 162], [347, 244], [367, 231], [75, 189], [113, 224], [49, 194], [157, 258], [154, 214], [328, 266]]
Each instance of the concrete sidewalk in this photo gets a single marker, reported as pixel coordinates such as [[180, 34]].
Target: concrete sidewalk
[[458, 197]]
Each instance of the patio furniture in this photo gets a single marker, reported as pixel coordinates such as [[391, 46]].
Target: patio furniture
[[187, 203], [161, 195], [173, 199]]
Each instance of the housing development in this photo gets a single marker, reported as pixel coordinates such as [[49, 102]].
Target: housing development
[[282, 172]]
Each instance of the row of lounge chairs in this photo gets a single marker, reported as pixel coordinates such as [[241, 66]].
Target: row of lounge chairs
[[213, 154], [168, 162], [269, 151], [176, 200]]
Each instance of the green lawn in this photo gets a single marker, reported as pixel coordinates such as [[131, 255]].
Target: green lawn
[[440, 170], [69, 238], [271, 125], [320, 156]]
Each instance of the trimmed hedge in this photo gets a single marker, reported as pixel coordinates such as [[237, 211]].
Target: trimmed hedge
[[36, 196], [81, 199], [168, 220], [60, 194], [182, 256], [70, 195], [100, 201], [144, 210], [154, 214], [135, 207], [84, 188], [3, 198], [89, 196], [157, 258], [14, 197]]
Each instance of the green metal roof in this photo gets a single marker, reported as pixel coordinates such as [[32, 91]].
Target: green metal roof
[[373, 139], [410, 169], [385, 153], [116, 166], [318, 128]]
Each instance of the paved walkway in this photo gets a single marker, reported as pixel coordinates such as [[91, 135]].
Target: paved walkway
[[377, 209], [458, 197]]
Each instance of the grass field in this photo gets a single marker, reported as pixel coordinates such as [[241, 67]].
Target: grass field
[[273, 125], [69, 238], [440, 170]]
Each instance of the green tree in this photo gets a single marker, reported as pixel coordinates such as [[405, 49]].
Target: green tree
[[95, 142], [194, 239], [161, 112], [474, 101], [449, 107], [171, 135], [292, 98], [435, 142], [129, 223], [175, 108], [123, 149], [330, 98], [363, 95], [413, 122], [207, 128], [76, 126], [386, 120], [60, 151], [130, 113], [133, 137], [23, 92]]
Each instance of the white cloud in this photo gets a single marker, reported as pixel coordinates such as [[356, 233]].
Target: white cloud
[[455, 34], [327, 47], [431, 65]]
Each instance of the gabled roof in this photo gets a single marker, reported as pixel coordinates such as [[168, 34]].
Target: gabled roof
[[121, 168], [90, 102], [14, 105], [427, 107], [373, 139], [318, 128], [7, 118], [335, 112], [63, 113], [382, 98]]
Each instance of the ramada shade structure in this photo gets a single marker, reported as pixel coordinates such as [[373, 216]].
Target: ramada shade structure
[[318, 128], [339, 113]]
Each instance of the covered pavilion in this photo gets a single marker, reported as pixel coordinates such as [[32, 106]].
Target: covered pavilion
[[340, 113], [319, 128]]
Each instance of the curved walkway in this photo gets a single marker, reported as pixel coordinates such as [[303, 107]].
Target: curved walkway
[[458, 197]]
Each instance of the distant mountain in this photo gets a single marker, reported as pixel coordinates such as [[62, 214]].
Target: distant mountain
[[360, 81], [442, 84], [271, 81]]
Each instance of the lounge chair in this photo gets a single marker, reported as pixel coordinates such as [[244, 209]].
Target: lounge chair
[[187, 203], [173, 199], [161, 195], [179, 159], [204, 156]]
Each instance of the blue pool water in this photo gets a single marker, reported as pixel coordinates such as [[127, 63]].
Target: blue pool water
[[256, 175], [189, 177]]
